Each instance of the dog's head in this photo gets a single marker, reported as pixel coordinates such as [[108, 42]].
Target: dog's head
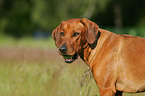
[[72, 35]]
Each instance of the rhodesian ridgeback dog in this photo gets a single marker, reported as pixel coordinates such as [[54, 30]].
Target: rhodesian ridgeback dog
[[117, 62]]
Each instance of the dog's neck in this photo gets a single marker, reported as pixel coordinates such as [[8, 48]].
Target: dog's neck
[[89, 53]]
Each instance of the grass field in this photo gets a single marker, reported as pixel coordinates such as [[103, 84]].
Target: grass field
[[30, 67]]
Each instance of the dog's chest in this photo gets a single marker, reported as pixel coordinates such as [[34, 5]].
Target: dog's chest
[[128, 85]]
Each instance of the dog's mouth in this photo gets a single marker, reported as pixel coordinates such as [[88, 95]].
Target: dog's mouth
[[70, 58]]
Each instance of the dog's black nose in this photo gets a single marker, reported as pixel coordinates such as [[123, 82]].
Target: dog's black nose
[[63, 49]]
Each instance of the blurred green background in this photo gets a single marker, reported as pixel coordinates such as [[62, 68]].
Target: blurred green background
[[29, 61], [29, 17]]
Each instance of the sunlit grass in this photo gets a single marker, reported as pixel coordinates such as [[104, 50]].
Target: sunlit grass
[[47, 79], [7, 41], [23, 79]]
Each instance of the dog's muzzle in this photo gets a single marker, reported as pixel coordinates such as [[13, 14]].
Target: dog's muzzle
[[68, 58]]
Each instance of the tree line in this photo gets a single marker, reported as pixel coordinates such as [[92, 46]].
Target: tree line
[[22, 17]]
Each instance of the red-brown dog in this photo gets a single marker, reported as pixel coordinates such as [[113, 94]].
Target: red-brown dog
[[117, 61]]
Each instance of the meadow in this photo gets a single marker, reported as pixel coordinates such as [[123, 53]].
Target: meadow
[[33, 67]]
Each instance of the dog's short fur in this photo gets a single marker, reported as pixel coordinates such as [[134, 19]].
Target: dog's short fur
[[117, 61]]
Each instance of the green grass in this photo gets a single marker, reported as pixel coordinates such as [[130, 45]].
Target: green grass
[[48, 75], [43, 79], [7, 41], [134, 31]]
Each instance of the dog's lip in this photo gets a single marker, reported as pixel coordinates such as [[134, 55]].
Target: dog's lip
[[70, 58]]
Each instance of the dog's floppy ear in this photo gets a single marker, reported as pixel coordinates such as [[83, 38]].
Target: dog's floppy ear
[[91, 30], [56, 36]]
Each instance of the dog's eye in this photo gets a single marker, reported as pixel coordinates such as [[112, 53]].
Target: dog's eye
[[62, 34], [76, 34]]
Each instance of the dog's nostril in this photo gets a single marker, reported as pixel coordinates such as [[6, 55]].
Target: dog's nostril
[[63, 49]]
